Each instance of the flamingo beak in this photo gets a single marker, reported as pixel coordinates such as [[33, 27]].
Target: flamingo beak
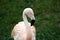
[[32, 22]]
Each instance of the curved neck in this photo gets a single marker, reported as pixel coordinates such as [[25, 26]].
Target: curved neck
[[25, 20]]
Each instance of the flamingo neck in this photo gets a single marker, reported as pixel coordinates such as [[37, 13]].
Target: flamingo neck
[[25, 20], [28, 28]]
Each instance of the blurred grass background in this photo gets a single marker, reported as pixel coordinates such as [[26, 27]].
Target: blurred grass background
[[47, 13]]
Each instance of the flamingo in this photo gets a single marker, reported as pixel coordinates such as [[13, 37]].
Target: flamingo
[[25, 30]]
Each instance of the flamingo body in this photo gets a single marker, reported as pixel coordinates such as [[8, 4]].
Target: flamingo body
[[19, 32]]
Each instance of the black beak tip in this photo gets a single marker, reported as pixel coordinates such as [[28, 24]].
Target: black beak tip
[[32, 22]]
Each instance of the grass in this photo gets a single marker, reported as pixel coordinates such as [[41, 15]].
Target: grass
[[47, 13]]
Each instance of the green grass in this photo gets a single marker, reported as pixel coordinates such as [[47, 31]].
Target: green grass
[[47, 13]]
